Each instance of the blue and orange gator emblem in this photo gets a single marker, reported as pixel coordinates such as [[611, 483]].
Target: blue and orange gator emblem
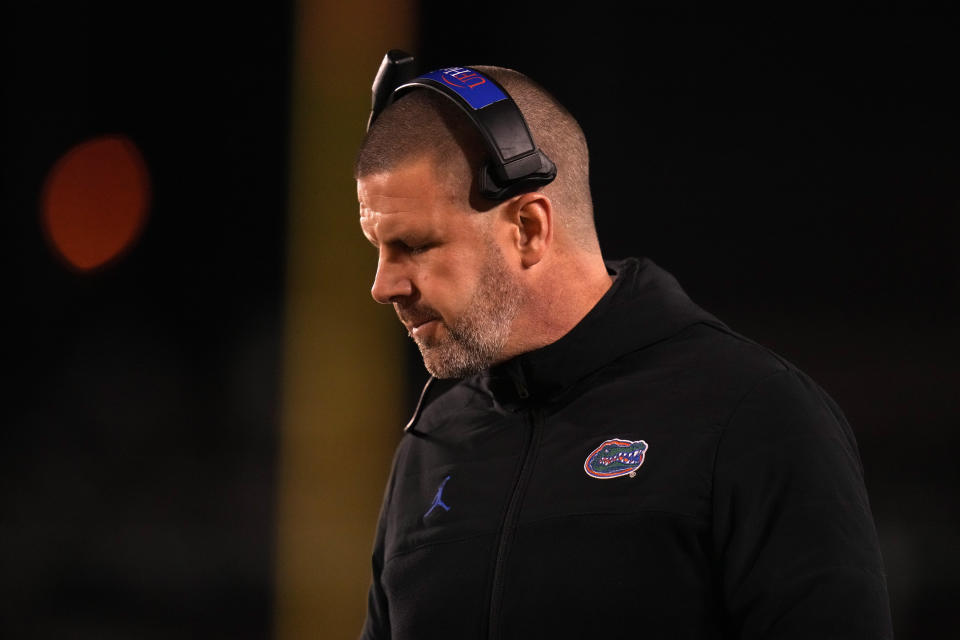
[[615, 458]]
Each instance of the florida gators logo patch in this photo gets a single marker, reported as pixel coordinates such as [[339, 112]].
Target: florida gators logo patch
[[615, 458]]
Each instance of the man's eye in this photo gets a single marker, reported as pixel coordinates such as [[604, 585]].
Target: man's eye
[[412, 248], [420, 248]]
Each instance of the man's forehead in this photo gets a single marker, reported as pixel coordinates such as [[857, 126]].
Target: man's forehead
[[413, 184], [385, 204], [393, 198], [404, 178], [380, 212]]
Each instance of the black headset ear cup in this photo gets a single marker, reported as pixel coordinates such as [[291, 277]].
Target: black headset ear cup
[[492, 190], [487, 187]]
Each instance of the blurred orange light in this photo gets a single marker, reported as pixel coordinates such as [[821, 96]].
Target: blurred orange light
[[95, 201]]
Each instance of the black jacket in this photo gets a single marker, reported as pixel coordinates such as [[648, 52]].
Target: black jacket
[[523, 504]]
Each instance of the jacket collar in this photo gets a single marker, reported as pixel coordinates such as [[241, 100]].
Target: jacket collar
[[644, 305]]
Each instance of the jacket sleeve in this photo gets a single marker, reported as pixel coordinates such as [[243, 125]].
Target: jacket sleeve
[[377, 624], [793, 532]]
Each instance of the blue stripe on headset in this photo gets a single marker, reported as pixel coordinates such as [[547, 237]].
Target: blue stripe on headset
[[474, 87]]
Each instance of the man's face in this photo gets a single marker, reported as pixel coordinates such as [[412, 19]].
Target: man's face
[[440, 267]]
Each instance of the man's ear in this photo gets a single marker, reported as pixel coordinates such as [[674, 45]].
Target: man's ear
[[531, 217]]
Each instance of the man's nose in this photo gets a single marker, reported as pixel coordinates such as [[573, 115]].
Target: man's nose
[[391, 282]]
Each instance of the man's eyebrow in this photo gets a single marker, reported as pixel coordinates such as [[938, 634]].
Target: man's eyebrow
[[369, 238], [367, 235]]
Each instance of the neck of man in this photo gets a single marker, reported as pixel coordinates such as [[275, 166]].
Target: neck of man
[[561, 291]]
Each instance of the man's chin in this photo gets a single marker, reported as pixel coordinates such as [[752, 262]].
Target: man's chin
[[443, 362], [436, 361]]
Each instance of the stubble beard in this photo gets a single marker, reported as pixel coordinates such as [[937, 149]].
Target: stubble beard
[[476, 340]]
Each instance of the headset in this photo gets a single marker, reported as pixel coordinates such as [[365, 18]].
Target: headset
[[516, 164]]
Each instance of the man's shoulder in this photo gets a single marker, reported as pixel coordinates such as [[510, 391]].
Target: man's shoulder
[[754, 373], [718, 349], [708, 351], [654, 325], [713, 367]]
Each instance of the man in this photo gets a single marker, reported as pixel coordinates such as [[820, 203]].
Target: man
[[595, 455]]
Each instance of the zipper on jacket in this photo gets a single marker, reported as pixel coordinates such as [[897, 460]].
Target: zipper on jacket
[[509, 524]]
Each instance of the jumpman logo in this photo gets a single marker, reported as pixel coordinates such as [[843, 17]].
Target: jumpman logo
[[438, 499]]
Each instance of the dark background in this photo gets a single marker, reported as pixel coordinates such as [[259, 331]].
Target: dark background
[[140, 413], [797, 171]]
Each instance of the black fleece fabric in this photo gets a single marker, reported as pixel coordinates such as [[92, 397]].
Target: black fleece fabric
[[507, 516]]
